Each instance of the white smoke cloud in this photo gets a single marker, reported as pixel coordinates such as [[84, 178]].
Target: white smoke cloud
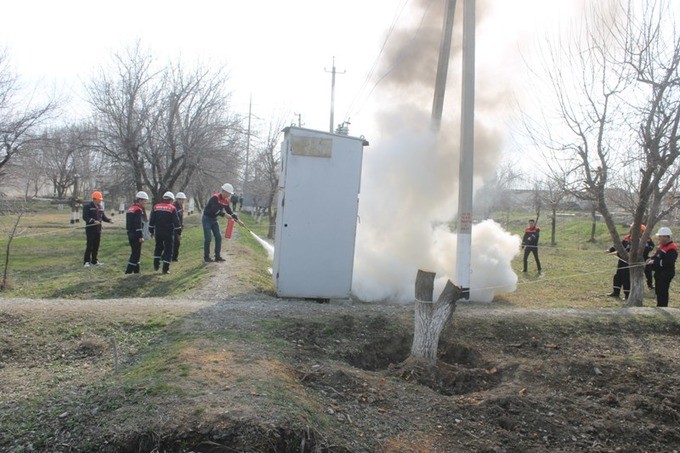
[[408, 197], [407, 202]]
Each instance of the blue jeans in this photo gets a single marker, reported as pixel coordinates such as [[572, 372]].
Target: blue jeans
[[211, 227]]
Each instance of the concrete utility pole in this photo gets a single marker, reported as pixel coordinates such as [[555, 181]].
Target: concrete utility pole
[[333, 72], [443, 65], [467, 136], [299, 117]]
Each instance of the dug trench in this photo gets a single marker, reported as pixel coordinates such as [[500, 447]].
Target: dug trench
[[272, 376], [511, 385]]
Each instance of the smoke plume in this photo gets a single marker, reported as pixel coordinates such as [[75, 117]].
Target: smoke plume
[[408, 201]]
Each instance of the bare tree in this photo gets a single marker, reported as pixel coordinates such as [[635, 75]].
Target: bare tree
[[64, 153], [195, 126], [617, 91], [124, 100], [165, 124], [266, 171], [20, 117], [26, 171], [553, 195], [494, 196], [18, 210], [537, 199]]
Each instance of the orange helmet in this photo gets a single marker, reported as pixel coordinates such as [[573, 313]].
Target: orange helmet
[[97, 195]]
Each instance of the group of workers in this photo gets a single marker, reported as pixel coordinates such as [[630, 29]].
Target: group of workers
[[165, 224], [661, 265], [659, 268]]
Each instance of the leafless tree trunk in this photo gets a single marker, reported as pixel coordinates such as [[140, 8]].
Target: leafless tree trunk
[[593, 224], [554, 195], [10, 236], [537, 200]]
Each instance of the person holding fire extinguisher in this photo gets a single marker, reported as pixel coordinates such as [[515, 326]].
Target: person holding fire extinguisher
[[217, 206]]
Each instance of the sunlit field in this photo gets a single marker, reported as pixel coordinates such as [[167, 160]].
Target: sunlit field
[[46, 258], [46, 261]]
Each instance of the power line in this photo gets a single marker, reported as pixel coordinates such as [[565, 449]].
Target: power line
[[369, 76], [389, 70]]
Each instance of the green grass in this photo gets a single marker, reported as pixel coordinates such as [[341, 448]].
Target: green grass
[[46, 259], [46, 262], [576, 272]]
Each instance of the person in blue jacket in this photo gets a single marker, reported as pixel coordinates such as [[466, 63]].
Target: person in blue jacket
[[217, 206]]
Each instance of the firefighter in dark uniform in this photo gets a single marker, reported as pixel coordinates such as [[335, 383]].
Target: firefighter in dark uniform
[[179, 206], [217, 206], [134, 224], [622, 276], [93, 215], [663, 264], [162, 224], [530, 244]]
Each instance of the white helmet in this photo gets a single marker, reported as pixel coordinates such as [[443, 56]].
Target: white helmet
[[180, 196], [226, 187], [141, 195], [664, 231], [169, 195]]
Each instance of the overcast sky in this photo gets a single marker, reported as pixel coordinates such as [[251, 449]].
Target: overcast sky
[[278, 52]]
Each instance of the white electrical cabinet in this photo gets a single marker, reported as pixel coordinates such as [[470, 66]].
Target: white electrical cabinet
[[316, 216]]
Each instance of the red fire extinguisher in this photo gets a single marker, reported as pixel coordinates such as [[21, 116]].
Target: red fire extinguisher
[[229, 229]]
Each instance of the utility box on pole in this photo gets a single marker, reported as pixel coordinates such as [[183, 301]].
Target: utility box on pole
[[316, 216]]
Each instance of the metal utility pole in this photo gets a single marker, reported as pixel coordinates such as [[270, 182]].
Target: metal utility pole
[[333, 72], [443, 65], [467, 135]]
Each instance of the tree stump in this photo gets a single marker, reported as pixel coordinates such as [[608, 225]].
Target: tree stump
[[431, 317]]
